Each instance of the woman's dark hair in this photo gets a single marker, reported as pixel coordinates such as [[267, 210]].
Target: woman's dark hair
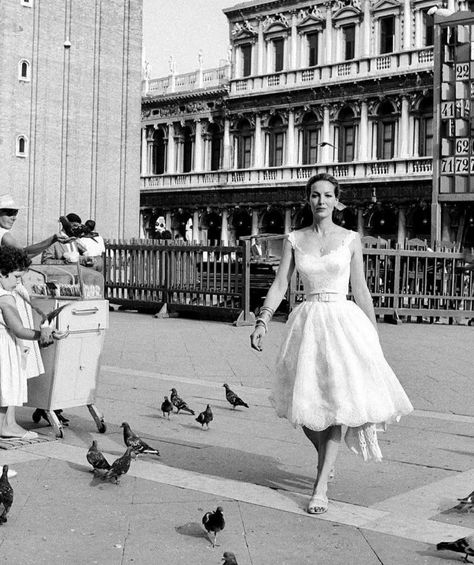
[[13, 259], [90, 225], [322, 176]]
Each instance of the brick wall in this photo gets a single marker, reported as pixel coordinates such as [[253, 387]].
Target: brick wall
[[80, 111]]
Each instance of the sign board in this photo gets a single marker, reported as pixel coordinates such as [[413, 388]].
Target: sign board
[[454, 98]]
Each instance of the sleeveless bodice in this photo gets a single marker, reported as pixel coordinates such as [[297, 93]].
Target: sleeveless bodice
[[321, 273]]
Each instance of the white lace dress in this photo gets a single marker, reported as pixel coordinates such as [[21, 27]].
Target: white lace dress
[[13, 389], [331, 369]]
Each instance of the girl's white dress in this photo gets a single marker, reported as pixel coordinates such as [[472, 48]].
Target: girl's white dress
[[34, 361], [13, 388], [331, 369]]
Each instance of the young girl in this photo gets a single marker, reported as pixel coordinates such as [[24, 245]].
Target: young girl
[[13, 390]]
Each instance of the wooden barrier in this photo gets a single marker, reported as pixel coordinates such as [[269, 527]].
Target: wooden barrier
[[206, 280], [219, 282], [413, 283]]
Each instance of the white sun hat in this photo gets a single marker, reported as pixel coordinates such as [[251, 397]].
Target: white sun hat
[[7, 203]]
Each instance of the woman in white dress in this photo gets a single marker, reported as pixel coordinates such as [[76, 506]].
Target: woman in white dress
[[331, 371]]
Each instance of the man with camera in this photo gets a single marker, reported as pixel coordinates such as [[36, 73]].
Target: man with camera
[[59, 253]]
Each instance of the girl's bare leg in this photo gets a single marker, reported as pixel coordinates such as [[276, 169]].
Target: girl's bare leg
[[9, 426]]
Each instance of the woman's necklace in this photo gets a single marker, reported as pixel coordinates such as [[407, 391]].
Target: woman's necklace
[[322, 240]]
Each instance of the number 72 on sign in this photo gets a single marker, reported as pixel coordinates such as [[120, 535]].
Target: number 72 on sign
[[457, 165]]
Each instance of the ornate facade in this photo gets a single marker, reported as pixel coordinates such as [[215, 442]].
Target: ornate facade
[[343, 87]]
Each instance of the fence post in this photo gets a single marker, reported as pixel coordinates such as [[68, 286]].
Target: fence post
[[396, 285], [246, 317]]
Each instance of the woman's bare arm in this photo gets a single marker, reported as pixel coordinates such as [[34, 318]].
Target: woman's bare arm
[[31, 250], [359, 287], [282, 278]]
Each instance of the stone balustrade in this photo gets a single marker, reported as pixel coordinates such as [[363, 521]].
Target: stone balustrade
[[354, 172], [380, 66], [208, 78]]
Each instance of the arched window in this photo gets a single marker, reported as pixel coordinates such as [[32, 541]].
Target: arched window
[[215, 147], [158, 152], [187, 149], [24, 70], [276, 142], [310, 132], [244, 144], [21, 146], [425, 139], [347, 133], [386, 126], [273, 222]]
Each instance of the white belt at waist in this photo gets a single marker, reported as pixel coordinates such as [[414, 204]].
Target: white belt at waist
[[326, 297]]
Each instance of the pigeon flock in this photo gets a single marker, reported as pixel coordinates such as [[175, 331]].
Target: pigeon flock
[[213, 521]]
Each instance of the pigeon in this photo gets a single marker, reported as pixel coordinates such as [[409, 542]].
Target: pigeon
[[179, 402], [229, 558], [166, 407], [214, 522], [466, 503], [205, 417], [96, 458], [6, 494], [233, 398], [135, 442], [462, 545], [120, 466]]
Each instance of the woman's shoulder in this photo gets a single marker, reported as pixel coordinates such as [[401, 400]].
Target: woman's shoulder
[[296, 235], [347, 235]]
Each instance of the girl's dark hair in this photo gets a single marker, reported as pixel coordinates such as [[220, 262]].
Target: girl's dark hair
[[322, 176], [13, 259]]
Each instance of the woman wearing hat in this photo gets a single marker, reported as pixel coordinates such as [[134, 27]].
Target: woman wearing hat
[[8, 215]]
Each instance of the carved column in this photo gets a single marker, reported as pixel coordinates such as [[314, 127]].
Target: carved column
[[366, 30], [149, 150], [260, 49], [287, 224], [198, 146], [259, 152], [328, 35], [254, 228], [293, 44], [402, 225], [406, 25], [196, 226], [224, 227], [145, 170], [325, 149], [363, 131], [404, 130], [227, 145], [360, 221], [171, 154], [290, 139]]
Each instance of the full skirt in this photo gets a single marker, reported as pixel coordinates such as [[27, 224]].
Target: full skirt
[[331, 370]]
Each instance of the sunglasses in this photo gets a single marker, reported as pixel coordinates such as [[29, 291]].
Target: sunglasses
[[8, 212]]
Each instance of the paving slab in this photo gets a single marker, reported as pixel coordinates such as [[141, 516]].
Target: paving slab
[[255, 465]]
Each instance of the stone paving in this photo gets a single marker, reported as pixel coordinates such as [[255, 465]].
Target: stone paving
[[256, 466]]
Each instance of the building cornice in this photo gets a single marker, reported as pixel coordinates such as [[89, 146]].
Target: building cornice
[[188, 95]]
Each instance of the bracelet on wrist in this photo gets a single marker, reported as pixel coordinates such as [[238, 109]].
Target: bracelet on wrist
[[260, 322]]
